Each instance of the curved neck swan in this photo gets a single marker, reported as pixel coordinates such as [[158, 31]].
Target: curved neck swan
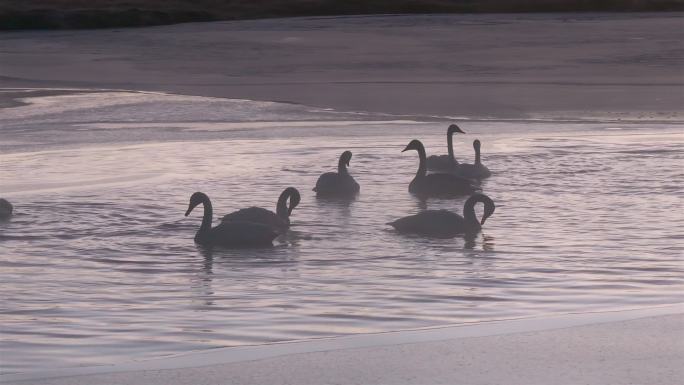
[[282, 209], [343, 163], [415, 144], [201, 198], [469, 211]]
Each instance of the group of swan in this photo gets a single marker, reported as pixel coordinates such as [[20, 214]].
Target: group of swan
[[256, 226]]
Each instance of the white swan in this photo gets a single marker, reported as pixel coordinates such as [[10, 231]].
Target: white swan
[[6, 209], [229, 234], [446, 224], [338, 184], [445, 162], [476, 170], [427, 185], [278, 221]]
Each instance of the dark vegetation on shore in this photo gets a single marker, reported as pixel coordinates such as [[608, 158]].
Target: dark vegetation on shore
[[68, 14]]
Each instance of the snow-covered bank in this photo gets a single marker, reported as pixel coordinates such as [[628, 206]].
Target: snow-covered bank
[[570, 349]]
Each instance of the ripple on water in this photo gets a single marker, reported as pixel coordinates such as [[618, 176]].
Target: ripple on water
[[94, 273]]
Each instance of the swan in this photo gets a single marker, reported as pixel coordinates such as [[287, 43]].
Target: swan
[[445, 162], [278, 221], [436, 184], [337, 184], [230, 234], [6, 209], [446, 224], [476, 170]]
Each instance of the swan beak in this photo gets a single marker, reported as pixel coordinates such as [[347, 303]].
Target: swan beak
[[189, 211], [406, 149]]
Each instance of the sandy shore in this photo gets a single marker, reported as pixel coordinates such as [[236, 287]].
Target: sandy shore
[[620, 66], [631, 347]]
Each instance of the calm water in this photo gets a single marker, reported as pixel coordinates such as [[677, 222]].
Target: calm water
[[98, 265]]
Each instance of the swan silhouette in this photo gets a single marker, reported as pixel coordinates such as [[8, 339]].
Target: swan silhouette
[[228, 234], [438, 184], [476, 170], [6, 209], [338, 184], [278, 221], [446, 224], [445, 162]]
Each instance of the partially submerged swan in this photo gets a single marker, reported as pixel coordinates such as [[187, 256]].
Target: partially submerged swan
[[446, 224], [278, 221], [6, 209], [476, 170], [426, 185], [229, 234], [445, 162], [337, 184]]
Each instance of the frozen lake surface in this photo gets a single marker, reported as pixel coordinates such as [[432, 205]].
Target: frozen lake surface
[[98, 265]]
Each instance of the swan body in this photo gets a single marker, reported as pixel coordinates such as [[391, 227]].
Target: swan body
[[340, 183], [278, 221], [446, 224], [228, 234], [6, 209], [438, 184], [445, 162], [476, 170]]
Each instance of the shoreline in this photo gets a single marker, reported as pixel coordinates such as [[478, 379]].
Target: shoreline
[[585, 328]]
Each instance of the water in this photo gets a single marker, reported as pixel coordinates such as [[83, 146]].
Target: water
[[98, 265]]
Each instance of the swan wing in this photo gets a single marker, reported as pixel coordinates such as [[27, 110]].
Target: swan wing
[[257, 215], [434, 223], [332, 183], [242, 234], [441, 163], [472, 171]]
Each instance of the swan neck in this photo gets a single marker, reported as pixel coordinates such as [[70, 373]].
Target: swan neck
[[450, 144], [477, 155], [342, 167], [281, 209], [422, 166], [207, 218], [469, 214]]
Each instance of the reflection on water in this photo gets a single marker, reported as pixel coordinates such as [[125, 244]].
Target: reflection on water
[[93, 273]]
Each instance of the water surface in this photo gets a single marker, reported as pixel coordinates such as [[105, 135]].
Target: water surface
[[98, 264]]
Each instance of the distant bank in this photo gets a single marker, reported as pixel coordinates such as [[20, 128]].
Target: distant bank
[[69, 14]]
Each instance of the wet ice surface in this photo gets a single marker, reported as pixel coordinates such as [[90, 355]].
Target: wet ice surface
[[98, 265]]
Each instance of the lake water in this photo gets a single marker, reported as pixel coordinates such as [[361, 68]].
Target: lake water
[[98, 265]]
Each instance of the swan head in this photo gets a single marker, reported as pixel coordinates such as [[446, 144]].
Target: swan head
[[476, 144], [454, 128], [415, 144], [195, 200], [345, 157]]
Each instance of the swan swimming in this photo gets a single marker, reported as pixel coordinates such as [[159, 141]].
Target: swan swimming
[[229, 234], [278, 221], [445, 162], [6, 209], [338, 184], [476, 170], [446, 224], [438, 184]]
